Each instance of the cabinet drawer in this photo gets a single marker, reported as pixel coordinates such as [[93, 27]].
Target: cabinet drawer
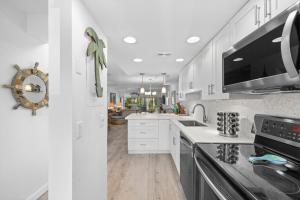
[[142, 145], [142, 132], [143, 123]]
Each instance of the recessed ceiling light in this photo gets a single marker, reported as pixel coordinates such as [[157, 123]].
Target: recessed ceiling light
[[238, 59], [137, 60], [129, 40], [193, 39], [179, 60]]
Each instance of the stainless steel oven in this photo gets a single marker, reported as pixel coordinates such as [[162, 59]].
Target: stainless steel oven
[[266, 60], [210, 183]]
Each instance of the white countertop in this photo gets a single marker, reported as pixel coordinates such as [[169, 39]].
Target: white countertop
[[207, 134]]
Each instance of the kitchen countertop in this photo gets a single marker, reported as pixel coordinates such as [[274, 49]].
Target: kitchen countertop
[[207, 134]]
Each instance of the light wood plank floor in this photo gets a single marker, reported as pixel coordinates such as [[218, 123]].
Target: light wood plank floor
[[139, 177], [44, 197]]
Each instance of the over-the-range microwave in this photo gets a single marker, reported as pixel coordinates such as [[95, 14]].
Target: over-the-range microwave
[[267, 60]]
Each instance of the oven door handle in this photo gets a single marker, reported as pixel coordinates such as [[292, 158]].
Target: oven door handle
[[209, 182], [286, 46]]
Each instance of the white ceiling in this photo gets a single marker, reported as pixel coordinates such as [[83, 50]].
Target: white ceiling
[[158, 25]]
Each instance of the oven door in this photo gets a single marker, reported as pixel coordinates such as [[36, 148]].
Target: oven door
[[266, 59], [210, 184]]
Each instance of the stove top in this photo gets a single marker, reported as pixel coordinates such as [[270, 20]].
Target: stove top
[[261, 180]]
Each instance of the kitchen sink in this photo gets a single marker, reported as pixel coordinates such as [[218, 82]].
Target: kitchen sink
[[191, 123]]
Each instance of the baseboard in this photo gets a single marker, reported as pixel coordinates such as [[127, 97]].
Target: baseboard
[[38, 193]]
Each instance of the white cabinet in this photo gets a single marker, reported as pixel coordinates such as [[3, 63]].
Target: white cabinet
[[148, 136], [275, 7], [221, 43], [206, 70], [163, 131], [247, 20], [181, 96], [143, 136], [175, 145]]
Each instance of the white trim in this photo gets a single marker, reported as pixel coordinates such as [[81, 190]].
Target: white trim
[[38, 193]]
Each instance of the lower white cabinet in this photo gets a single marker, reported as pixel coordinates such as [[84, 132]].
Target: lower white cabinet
[[154, 136], [163, 141], [148, 136], [175, 145]]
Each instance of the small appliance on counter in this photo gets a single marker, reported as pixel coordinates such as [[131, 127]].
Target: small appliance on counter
[[268, 169], [228, 124]]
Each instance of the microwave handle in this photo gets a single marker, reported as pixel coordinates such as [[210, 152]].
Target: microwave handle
[[209, 182], [286, 46]]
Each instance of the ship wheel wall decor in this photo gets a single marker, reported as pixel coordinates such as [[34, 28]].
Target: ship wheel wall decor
[[29, 87], [95, 48]]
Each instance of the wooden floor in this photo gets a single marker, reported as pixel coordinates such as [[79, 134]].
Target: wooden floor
[[44, 197], [139, 177]]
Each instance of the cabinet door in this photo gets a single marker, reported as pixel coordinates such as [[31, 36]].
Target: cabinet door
[[180, 88], [247, 20], [221, 43], [177, 149], [164, 135], [206, 70]]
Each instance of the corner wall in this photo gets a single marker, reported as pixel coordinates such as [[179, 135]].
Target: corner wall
[[23, 138]]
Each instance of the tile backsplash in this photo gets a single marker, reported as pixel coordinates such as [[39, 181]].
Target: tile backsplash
[[276, 104]]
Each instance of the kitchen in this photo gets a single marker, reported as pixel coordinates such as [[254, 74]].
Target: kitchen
[[150, 100], [237, 78]]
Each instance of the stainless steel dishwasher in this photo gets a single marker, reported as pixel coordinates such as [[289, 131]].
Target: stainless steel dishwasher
[[187, 166]]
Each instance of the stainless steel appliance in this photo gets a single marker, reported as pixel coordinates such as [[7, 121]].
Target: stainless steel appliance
[[223, 171], [186, 166], [267, 60]]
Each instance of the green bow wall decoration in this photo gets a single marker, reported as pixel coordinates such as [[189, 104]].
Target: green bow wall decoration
[[95, 48]]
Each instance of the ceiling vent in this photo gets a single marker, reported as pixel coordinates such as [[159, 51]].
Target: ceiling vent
[[164, 54]]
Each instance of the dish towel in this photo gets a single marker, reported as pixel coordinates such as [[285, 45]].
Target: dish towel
[[268, 158]]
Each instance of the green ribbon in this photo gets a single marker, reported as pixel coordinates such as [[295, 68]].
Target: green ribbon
[[95, 48]]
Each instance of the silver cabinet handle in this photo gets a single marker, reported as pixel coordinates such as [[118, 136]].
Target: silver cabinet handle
[[174, 140], [209, 182], [286, 46], [209, 92], [212, 89], [268, 8], [142, 132], [257, 15]]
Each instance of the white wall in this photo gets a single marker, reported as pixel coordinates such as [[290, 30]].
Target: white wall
[[90, 140], [23, 138], [277, 104]]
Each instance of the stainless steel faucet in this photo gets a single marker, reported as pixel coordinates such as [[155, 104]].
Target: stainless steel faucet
[[204, 112]]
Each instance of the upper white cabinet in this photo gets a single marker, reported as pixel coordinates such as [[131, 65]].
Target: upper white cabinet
[[275, 7], [205, 72], [221, 43], [247, 20]]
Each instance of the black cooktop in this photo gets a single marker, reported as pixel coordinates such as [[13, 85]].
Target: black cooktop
[[263, 181]]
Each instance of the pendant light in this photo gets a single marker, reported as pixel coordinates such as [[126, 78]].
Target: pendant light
[[164, 89], [142, 89]]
